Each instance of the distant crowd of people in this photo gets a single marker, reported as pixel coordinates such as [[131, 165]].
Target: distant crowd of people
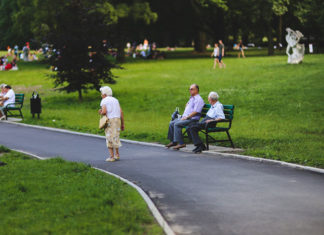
[[5, 65], [144, 50], [25, 54], [13, 55], [7, 98]]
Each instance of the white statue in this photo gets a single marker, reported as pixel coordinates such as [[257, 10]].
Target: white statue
[[298, 50]]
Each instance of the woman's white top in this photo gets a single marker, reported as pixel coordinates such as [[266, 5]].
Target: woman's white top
[[216, 111], [216, 49], [11, 98], [112, 106]]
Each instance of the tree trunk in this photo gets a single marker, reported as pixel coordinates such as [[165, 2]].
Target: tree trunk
[[80, 95], [200, 41], [280, 32], [120, 52], [270, 42]]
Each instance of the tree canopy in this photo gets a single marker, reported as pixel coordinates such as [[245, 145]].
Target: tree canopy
[[170, 22]]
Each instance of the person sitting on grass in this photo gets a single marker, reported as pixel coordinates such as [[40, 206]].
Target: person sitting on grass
[[215, 113], [8, 99], [191, 114]]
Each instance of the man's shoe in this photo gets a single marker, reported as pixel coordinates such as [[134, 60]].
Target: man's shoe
[[195, 149], [200, 148], [179, 146], [170, 144]]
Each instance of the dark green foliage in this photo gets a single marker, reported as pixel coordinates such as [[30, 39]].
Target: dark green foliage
[[80, 57], [4, 149]]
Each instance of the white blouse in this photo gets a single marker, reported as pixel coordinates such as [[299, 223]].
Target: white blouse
[[112, 106]]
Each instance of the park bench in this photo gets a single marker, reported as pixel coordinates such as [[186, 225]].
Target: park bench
[[17, 106], [212, 127]]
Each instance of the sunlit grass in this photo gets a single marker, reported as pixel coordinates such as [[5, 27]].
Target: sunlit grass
[[58, 197]]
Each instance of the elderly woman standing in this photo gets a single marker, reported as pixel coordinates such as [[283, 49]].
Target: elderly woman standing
[[111, 108]]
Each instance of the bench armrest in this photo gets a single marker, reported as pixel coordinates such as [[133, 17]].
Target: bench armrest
[[214, 123], [14, 105]]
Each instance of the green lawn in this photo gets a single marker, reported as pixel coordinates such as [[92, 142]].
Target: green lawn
[[279, 107], [58, 197]]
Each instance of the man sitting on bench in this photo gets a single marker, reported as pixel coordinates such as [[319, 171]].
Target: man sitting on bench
[[191, 114], [8, 98], [215, 113]]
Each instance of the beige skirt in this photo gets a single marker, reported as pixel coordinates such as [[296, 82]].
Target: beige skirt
[[112, 133]]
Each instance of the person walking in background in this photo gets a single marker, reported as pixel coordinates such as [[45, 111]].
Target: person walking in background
[[221, 54], [191, 114], [215, 113], [215, 55], [16, 50], [241, 49], [9, 50], [111, 108]]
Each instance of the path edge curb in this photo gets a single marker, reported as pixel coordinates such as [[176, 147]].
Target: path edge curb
[[155, 212], [244, 157]]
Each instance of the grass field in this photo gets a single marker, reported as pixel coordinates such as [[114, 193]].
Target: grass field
[[59, 197], [278, 114]]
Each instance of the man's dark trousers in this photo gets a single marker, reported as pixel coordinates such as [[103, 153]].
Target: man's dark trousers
[[194, 129]]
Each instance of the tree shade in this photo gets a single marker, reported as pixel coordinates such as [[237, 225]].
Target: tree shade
[[171, 23]]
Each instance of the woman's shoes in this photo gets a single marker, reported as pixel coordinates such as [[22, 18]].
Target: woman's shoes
[[2, 118], [111, 159]]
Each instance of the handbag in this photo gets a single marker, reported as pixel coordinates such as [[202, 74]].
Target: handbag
[[103, 122], [175, 114]]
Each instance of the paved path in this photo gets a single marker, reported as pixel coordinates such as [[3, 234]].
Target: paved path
[[197, 194]]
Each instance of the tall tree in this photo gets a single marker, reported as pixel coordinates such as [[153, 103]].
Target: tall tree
[[280, 7], [201, 13], [7, 9], [80, 59], [132, 16]]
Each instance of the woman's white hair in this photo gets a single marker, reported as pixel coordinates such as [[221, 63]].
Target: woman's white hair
[[213, 95], [3, 85], [106, 90]]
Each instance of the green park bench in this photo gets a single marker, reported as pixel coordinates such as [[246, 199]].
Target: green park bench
[[17, 106], [212, 127]]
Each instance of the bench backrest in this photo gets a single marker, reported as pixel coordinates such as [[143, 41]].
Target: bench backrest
[[19, 99], [228, 111]]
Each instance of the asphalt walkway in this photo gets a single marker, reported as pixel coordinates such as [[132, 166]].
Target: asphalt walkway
[[197, 194]]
